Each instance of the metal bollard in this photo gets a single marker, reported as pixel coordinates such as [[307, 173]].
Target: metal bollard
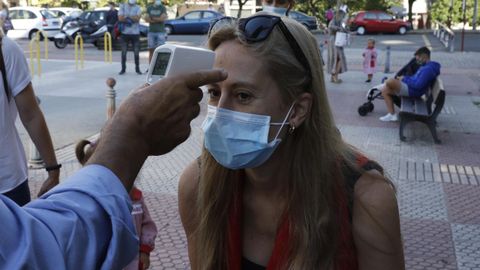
[[78, 44], [107, 47], [111, 97], [387, 61], [35, 160]]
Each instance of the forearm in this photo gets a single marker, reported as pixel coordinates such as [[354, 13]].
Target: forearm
[[160, 18], [135, 18], [121, 151], [38, 131]]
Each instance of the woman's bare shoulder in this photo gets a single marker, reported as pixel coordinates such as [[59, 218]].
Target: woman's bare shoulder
[[376, 223]]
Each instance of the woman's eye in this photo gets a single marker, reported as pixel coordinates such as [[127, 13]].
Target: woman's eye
[[244, 96], [213, 93]]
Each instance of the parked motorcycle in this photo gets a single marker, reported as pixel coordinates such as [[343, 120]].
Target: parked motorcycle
[[90, 32]]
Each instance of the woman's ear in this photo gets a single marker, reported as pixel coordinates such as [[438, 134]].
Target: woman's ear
[[301, 109]]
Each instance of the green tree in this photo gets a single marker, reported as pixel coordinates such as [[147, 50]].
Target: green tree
[[442, 12], [375, 5]]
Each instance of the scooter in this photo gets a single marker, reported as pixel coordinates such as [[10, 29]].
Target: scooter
[[90, 33]]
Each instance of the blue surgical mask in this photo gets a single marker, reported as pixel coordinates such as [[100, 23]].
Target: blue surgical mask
[[132, 2], [277, 10], [239, 140], [158, 3]]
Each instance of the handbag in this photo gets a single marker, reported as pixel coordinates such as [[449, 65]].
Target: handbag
[[342, 39], [7, 25]]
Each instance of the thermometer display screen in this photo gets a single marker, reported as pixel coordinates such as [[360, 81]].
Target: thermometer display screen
[[161, 63]]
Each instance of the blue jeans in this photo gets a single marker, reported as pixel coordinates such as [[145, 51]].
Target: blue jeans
[[135, 40], [20, 194], [156, 39]]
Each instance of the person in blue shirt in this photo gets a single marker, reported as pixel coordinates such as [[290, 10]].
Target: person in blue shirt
[[412, 86], [85, 222]]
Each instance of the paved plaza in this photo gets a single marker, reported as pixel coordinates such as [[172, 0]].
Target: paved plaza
[[438, 186]]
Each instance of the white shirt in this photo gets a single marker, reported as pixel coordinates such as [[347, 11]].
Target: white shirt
[[13, 163], [83, 223]]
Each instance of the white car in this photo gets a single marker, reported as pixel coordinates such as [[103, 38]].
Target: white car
[[29, 20]]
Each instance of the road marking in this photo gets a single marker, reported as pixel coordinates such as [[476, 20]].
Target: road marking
[[427, 42]]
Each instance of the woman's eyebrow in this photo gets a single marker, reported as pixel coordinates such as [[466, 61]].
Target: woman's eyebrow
[[245, 84]]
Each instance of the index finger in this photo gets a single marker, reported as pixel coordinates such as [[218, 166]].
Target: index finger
[[199, 78]]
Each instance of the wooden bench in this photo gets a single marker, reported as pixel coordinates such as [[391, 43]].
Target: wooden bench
[[423, 109]]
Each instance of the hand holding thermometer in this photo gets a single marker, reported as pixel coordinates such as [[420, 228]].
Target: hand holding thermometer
[[170, 59]]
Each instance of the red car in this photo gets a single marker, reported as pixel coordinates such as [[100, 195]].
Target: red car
[[377, 21]]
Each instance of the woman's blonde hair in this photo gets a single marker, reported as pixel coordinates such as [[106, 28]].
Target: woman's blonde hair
[[315, 149]]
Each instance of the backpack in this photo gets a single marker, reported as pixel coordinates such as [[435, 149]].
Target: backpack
[[7, 24]]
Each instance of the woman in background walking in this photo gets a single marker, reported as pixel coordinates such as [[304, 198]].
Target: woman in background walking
[[337, 62]]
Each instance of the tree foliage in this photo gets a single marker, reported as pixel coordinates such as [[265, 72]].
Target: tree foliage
[[317, 8], [441, 11]]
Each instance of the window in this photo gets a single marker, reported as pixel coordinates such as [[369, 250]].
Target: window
[[29, 15], [13, 15], [293, 15], [47, 14], [208, 15], [384, 17], [193, 16], [370, 16]]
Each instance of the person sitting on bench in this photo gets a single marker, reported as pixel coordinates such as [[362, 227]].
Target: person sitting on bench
[[412, 86]]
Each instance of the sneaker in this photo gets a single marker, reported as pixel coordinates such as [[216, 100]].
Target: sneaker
[[389, 118], [367, 81], [121, 72], [138, 72]]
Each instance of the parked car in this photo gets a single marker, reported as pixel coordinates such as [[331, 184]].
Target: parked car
[[193, 22], [309, 22], [377, 21], [29, 20], [63, 12]]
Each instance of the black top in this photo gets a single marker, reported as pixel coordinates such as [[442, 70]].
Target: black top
[[112, 17]]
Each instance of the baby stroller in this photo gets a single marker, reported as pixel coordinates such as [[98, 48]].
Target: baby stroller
[[375, 92]]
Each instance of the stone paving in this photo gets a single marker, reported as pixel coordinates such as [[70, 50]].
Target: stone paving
[[438, 186]]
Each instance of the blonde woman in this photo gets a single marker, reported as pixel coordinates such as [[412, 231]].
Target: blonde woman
[[337, 61], [276, 187]]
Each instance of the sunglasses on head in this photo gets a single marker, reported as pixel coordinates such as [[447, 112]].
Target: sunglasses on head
[[258, 28]]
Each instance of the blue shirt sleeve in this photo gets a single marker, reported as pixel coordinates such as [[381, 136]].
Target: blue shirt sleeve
[[84, 223]]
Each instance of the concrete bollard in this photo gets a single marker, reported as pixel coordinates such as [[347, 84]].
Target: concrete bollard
[[387, 61], [111, 97], [35, 160]]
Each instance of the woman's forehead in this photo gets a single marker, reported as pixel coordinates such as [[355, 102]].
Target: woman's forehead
[[233, 54]]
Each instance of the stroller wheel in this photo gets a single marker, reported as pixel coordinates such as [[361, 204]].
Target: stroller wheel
[[362, 110], [370, 106]]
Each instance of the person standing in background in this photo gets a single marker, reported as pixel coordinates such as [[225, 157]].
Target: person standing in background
[[5, 23], [129, 16], [18, 98], [156, 16], [112, 17], [337, 61], [369, 59]]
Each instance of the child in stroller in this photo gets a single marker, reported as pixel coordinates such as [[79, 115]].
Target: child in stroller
[[375, 92]]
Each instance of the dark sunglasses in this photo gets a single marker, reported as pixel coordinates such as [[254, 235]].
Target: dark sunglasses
[[258, 28]]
